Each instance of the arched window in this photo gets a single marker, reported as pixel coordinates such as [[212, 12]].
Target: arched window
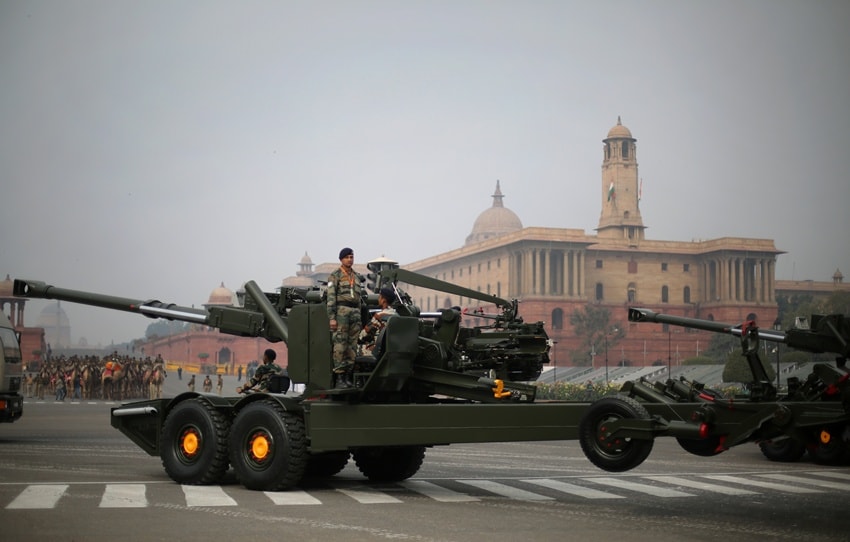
[[665, 294], [599, 292], [632, 292], [686, 294], [558, 319]]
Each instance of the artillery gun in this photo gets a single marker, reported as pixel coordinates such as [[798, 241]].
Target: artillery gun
[[434, 382], [814, 415], [430, 382]]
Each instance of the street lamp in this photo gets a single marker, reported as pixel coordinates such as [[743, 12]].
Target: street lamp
[[777, 326]]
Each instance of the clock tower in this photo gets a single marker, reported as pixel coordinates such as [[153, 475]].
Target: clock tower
[[620, 216]]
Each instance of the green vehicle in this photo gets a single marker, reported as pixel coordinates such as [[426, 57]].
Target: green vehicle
[[11, 372], [431, 382]]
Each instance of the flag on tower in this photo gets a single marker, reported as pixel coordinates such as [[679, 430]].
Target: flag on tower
[[611, 194]]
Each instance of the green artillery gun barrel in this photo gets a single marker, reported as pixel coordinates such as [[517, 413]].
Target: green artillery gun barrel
[[150, 308]]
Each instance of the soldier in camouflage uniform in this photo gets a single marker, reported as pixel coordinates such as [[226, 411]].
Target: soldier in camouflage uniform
[[370, 332], [261, 377], [344, 291]]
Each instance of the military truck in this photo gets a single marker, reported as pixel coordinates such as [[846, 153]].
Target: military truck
[[11, 372], [432, 382]]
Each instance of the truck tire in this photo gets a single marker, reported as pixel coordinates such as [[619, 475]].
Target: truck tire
[[785, 450], [268, 447], [194, 443], [389, 463], [613, 455], [325, 465], [833, 452]]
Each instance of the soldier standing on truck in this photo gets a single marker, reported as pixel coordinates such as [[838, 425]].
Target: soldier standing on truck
[[263, 374], [344, 292]]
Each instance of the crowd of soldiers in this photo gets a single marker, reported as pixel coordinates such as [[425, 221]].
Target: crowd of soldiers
[[110, 377]]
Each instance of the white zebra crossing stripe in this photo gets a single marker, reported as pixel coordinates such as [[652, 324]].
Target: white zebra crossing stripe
[[758, 483], [438, 493], [640, 488], [506, 491], [368, 496], [705, 486], [33, 497], [207, 496], [831, 474], [572, 489], [809, 481], [293, 496], [124, 496]]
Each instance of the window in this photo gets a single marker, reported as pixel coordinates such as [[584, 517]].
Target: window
[[665, 296], [686, 267], [599, 292], [625, 149], [664, 266], [598, 264], [558, 319], [632, 267], [632, 292], [686, 294]]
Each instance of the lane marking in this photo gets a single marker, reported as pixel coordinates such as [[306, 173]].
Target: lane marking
[[757, 483], [696, 484], [368, 496], [293, 496], [506, 491], [438, 493], [32, 497], [640, 488], [124, 496], [207, 496], [572, 489]]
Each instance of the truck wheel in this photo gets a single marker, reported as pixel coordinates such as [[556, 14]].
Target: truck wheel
[[607, 453], [703, 447], [326, 464], [194, 443], [389, 463], [268, 447], [833, 452], [785, 450]]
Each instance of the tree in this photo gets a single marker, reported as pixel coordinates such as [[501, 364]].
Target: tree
[[737, 369], [591, 325]]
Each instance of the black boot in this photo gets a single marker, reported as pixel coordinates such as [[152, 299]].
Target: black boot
[[342, 382]]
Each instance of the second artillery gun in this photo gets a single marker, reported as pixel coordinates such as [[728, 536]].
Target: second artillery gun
[[434, 382]]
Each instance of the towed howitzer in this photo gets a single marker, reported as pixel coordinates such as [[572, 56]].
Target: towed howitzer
[[814, 415]]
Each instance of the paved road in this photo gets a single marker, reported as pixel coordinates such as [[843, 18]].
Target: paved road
[[67, 475]]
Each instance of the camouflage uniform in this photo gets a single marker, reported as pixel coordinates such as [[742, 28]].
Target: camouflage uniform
[[344, 307], [370, 332], [261, 377]]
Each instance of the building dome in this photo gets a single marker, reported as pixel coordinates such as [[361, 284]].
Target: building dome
[[221, 296], [495, 221], [619, 131], [6, 287]]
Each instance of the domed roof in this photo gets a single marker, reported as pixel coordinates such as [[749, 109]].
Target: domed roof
[[52, 316], [221, 296], [619, 131], [306, 260], [6, 287], [495, 221]]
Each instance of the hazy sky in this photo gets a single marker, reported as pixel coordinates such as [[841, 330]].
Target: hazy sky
[[156, 149]]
